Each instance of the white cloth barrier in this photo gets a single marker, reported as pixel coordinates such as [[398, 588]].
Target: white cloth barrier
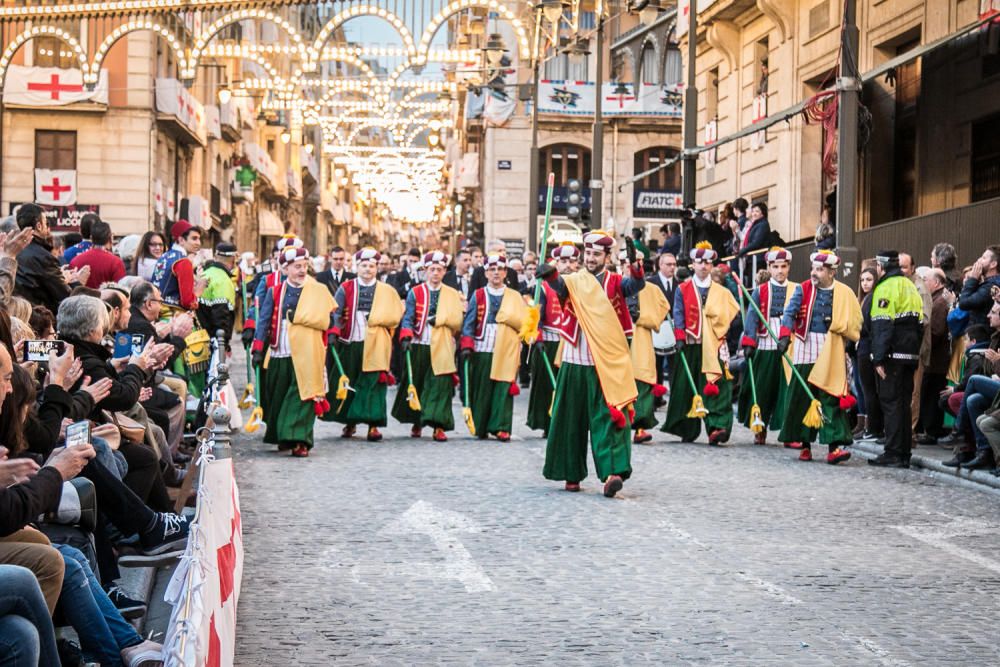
[[205, 588]]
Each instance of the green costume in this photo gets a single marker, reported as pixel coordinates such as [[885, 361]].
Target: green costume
[[289, 419], [540, 396], [720, 407], [491, 402], [836, 431], [580, 408], [367, 403], [434, 391], [768, 371]]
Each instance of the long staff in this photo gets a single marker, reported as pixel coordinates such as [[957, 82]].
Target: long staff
[[466, 405], [411, 391], [529, 331], [698, 409], [756, 419], [249, 392], [257, 416], [814, 415]]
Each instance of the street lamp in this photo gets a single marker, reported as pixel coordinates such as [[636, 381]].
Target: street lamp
[[649, 12], [552, 10], [494, 50], [225, 94], [309, 148], [433, 140], [578, 51], [285, 136]]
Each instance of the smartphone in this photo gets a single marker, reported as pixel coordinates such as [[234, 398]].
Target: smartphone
[[266, 268], [38, 350], [78, 433], [128, 344]]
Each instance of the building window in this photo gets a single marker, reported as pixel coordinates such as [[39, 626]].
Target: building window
[[673, 68], [668, 179], [905, 135], [566, 68], [648, 64], [760, 75], [55, 149], [53, 52], [566, 161], [986, 159], [712, 95]]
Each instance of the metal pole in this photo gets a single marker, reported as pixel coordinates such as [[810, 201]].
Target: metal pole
[[533, 180], [690, 165], [849, 85], [597, 153]]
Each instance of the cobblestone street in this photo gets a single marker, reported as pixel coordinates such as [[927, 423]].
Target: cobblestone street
[[407, 552]]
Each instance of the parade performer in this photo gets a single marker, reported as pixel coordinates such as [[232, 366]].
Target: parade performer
[[595, 389], [540, 397], [651, 309], [760, 349], [703, 312], [432, 318], [823, 314], [290, 342], [368, 311], [491, 350]]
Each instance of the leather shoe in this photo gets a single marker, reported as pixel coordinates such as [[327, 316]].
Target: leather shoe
[[951, 439], [925, 439], [982, 461], [883, 461], [959, 459], [612, 486]]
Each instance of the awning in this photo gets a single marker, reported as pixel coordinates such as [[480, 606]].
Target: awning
[[268, 223]]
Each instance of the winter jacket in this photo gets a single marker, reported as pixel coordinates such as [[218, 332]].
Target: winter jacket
[[39, 277]]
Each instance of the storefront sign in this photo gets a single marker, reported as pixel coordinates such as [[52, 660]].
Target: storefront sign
[[63, 218]]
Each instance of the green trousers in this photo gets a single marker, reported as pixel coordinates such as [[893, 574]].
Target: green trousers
[[769, 375], [367, 403], [434, 391], [720, 408], [289, 419], [580, 411], [645, 407], [540, 396], [491, 402], [836, 430]]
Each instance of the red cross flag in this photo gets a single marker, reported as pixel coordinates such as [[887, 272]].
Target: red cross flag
[[55, 187], [51, 86]]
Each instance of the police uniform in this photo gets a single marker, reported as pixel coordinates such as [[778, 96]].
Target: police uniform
[[897, 331]]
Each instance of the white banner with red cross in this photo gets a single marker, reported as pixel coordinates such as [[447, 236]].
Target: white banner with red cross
[[205, 587], [55, 187], [51, 87]]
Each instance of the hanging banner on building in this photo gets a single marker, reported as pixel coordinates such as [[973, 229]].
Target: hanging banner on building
[[711, 136], [51, 87], [62, 218], [576, 98], [758, 139], [172, 97], [989, 8], [683, 14], [498, 109], [55, 187], [158, 205]]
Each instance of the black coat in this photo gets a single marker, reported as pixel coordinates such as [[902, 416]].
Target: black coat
[[760, 237], [23, 503], [451, 280], [401, 281], [478, 280], [39, 277], [125, 386], [332, 284], [657, 279], [138, 324]]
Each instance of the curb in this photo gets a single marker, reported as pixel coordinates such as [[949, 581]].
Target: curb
[[969, 478]]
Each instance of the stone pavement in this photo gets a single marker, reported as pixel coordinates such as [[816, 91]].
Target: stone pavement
[[412, 552]]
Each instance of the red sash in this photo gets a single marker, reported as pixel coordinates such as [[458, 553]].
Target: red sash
[[278, 292], [553, 313], [569, 327], [421, 295], [692, 309], [804, 316], [482, 301], [350, 308], [764, 296]]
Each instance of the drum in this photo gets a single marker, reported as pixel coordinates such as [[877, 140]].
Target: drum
[[663, 338]]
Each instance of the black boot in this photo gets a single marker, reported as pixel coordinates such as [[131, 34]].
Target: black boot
[[961, 456], [982, 461], [889, 461]]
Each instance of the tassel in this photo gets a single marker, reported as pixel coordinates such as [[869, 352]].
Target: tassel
[[383, 377], [814, 415], [756, 420], [711, 389], [847, 402], [255, 421], [248, 399], [529, 328], [342, 385], [318, 407], [455, 380], [470, 424], [725, 369], [698, 409], [514, 389], [659, 390], [411, 398], [617, 417], [631, 412], [391, 379]]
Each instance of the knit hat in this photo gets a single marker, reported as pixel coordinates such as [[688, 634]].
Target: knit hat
[[703, 250], [565, 250], [777, 254], [825, 258]]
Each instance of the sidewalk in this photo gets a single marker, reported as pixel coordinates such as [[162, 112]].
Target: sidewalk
[[932, 458]]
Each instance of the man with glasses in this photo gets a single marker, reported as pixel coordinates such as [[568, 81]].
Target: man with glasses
[[703, 312]]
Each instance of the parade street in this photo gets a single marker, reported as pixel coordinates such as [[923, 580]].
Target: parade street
[[413, 552]]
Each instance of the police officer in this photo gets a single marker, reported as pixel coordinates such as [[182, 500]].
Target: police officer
[[897, 331]]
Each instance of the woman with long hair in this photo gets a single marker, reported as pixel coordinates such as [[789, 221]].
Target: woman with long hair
[[870, 424], [151, 246]]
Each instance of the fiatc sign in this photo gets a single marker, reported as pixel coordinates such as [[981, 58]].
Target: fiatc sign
[[657, 204]]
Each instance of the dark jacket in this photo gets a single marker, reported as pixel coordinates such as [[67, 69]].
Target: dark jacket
[[940, 357], [332, 284], [138, 324], [975, 298], [43, 425], [672, 244], [657, 279], [125, 386], [479, 280], [759, 238], [39, 277], [451, 280], [401, 281], [23, 503], [895, 312]]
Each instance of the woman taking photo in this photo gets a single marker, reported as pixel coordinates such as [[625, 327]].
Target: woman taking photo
[[151, 246]]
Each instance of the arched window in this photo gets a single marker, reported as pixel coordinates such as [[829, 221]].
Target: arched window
[[566, 161], [657, 195], [673, 69], [647, 67]]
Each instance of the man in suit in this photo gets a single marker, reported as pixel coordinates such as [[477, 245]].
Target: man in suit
[[336, 275], [496, 247], [671, 238], [460, 275], [666, 265], [406, 278]]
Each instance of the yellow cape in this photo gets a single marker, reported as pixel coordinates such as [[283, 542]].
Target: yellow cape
[[719, 311], [653, 309], [605, 337], [507, 347], [447, 322], [830, 371], [957, 359], [305, 338], [386, 312]]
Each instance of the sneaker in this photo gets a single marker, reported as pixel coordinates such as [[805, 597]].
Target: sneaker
[[169, 533], [806, 454], [125, 605], [838, 455], [146, 654], [300, 451], [866, 436]]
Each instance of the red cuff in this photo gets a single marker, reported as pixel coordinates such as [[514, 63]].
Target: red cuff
[[405, 333], [747, 341], [637, 270], [784, 333], [333, 330], [258, 345], [680, 335], [467, 343], [249, 323]]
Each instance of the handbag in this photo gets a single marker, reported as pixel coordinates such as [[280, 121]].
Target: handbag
[[129, 428]]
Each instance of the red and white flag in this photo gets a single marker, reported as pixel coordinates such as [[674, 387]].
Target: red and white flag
[[55, 187], [51, 87]]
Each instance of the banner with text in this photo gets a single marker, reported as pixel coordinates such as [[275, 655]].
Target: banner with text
[[63, 218]]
